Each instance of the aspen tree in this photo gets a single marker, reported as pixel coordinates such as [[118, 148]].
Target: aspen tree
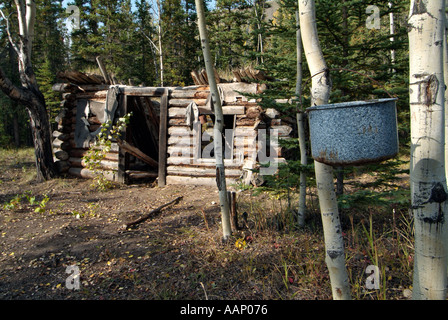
[[219, 122], [320, 93], [300, 126], [427, 169]]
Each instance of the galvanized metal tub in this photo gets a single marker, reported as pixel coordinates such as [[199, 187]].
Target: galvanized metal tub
[[354, 133]]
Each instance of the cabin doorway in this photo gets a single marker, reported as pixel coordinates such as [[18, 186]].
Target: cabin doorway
[[139, 151]]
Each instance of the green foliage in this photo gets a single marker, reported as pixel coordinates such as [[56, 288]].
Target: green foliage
[[97, 152], [18, 202], [228, 23]]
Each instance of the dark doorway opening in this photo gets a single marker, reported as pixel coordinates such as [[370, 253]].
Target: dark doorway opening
[[140, 152]]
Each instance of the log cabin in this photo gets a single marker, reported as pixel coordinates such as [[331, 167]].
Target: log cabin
[[170, 134]]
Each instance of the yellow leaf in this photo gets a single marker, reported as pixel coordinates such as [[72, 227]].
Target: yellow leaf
[[240, 243]]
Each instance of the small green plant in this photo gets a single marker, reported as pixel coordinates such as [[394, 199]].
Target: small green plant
[[18, 201], [14, 203], [41, 205], [103, 144]]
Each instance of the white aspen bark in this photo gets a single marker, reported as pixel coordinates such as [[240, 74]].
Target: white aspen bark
[[320, 92], [219, 122], [300, 127], [392, 31], [159, 33], [427, 171], [445, 77], [30, 21]]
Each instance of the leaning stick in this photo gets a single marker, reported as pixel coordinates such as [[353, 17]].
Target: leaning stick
[[151, 213]]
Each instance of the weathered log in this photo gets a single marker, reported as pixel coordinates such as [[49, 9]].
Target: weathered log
[[132, 174], [62, 166], [105, 164], [61, 136], [200, 172], [174, 112], [211, 163], [200, 181], [186, 102], [150, 214], [110, 175], [189, 94], [61, 155], [103, 70], [59, 144]]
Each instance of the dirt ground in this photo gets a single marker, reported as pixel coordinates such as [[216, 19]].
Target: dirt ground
[[177, 254]]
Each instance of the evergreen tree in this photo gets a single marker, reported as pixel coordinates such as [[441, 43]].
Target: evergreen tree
[[230, 33], [180, 41], [145, 60], [49, 48]]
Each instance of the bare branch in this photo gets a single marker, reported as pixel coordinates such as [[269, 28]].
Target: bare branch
[[11, 90], [8, 32]]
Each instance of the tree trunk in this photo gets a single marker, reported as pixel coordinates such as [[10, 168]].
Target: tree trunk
[[445, 77], [300, 127], [219, 122], [159, 34], [320, 93], [29, 94], [427, 172], [40, 130]]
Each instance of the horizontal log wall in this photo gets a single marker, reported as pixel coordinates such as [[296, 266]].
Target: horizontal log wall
[[182, 168], [67, 156]]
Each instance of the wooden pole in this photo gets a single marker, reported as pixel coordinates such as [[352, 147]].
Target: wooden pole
[[163, 138]]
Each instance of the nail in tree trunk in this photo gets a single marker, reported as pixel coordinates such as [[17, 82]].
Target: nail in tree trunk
[[427, 172], [29, 94], [219, 122], [320, 93]]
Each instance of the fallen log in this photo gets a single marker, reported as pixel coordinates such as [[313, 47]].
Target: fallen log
[[137, 153], [150, 214]]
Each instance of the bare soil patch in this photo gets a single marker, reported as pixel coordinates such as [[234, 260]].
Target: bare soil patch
[[178, 254]]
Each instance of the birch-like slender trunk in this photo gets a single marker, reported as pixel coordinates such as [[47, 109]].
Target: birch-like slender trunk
[[320, 93], [219, 122], [427, 171], [300, 127], [392, 32], [159, 33], [445, 77]]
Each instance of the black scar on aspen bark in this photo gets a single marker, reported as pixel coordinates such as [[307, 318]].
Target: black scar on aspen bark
[[419, 7], [333, 254], [439, 196], [438, 193]]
